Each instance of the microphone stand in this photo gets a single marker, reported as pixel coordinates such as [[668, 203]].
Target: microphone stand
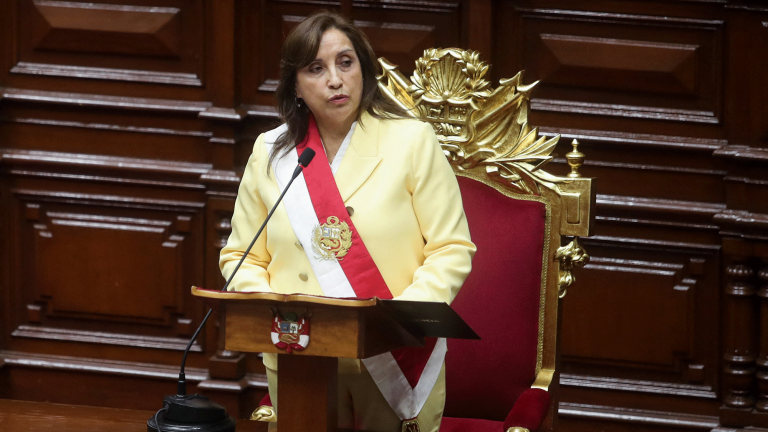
[[196, 413]]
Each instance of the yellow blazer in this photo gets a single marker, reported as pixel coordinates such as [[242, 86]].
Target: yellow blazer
[[407, 209]]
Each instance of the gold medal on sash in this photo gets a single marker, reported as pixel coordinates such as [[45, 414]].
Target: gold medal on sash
[[331, 240]]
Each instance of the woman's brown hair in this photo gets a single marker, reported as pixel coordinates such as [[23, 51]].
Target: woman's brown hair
[[299, 50]]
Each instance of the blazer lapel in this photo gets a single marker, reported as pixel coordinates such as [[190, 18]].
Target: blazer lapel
[[361, 159]]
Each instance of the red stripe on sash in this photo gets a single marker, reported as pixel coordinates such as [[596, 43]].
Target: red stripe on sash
[[358, 266], [413, 360]]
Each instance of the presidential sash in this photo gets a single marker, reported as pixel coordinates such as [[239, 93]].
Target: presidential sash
[[344, 268]]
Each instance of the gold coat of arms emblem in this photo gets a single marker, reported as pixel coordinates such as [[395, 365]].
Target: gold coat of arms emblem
[[331, 240]]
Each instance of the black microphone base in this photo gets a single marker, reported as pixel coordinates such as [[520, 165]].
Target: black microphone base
[[191, 413]]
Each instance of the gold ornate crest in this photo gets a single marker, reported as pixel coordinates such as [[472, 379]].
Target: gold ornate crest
[[479, 128], [332, 240]]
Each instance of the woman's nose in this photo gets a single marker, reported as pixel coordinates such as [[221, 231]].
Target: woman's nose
[[334, 81]]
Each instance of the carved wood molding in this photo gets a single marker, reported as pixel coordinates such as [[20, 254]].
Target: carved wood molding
[[647, 418], [743, 224], [110, 200], [98, 366], [652, 243], [104, 101], [630, 111], [638, 386], [743, 153], [762, 360], [48, 160], [632, 210], [103, 338], [613, 139], [140, 76], [740, 340], [400, 5]]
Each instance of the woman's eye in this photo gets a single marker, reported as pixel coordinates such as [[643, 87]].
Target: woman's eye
[[315, 69], [346, 63]]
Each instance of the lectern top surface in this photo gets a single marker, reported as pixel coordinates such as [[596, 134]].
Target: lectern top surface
[[277, 297]]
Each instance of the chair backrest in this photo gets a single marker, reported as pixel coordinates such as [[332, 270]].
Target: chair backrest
[[517, 215]]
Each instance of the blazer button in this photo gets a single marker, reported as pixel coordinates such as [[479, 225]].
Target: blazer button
[[303, 276], [298, 245], [350, 210]]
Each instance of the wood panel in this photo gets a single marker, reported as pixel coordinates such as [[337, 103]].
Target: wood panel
[[624, 65], [126, 42], [661, 338], [67, 242]]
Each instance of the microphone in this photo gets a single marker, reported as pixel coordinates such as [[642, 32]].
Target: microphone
[[188, 413], [306, 157]]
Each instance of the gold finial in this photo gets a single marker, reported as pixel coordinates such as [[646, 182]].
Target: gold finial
[[575, 160]]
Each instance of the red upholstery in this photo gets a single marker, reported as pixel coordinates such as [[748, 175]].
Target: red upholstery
[[529, 410], [452, 424], [266, 401], [500, 301]]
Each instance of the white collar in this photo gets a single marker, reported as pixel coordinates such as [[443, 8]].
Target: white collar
[[342, 150]]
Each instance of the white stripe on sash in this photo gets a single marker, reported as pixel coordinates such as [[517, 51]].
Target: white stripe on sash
[[389, 378]]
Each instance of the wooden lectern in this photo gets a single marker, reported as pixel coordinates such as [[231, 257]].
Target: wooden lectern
[[349, 328]]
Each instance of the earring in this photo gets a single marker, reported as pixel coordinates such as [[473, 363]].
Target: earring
[[298, 102]]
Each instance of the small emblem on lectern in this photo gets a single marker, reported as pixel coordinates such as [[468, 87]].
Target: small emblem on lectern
[[290, 331]]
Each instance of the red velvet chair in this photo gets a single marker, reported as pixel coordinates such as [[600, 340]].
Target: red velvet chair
[[517, 216]]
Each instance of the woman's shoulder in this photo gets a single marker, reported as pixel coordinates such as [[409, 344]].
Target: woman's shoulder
[[269, 137], [407, 127]]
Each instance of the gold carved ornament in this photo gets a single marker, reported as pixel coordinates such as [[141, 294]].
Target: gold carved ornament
[[571, 256], [264, 413], [479, 128], [485, 131]]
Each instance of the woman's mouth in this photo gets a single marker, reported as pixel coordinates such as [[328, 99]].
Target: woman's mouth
[[339, 99]]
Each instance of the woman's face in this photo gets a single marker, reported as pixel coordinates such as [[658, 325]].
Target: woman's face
[[332, 84]]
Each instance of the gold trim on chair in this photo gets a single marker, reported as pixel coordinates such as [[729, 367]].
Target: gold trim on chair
[[480, 129], [264, 413], [570, 256]]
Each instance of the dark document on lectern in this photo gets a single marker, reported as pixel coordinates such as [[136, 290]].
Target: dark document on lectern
[[429, 319]]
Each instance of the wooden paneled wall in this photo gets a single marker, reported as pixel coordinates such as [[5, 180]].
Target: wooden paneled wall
[[124, 125]]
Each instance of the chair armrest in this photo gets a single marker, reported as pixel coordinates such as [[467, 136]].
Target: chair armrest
[[529, 410]]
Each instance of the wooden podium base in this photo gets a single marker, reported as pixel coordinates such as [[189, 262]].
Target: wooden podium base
[[307, 393]]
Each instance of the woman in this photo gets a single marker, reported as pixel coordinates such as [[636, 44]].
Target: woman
[[377, 213]]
